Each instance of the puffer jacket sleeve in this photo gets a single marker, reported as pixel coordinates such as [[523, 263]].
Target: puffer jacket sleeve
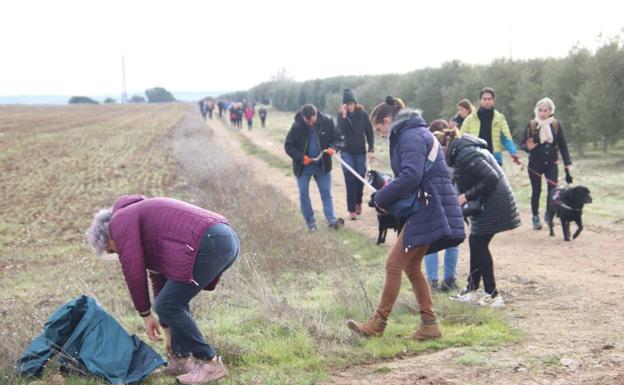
[[413, 153], [506, 138], [126, 233], [483, 173]]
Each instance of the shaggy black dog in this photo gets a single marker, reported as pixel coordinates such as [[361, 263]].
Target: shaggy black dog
[[386, 221], [567, 204]]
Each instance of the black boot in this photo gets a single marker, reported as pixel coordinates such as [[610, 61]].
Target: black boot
[[449, 285]]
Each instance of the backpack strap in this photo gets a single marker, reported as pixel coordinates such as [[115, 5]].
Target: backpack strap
[[532, 128], [555, 127]]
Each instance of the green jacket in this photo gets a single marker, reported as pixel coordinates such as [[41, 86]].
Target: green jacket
[[501, 136]]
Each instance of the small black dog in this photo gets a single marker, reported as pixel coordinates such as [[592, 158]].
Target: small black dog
[[567, 204], [386, 221]]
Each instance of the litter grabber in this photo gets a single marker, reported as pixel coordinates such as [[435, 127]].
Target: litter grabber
[[349, 168]]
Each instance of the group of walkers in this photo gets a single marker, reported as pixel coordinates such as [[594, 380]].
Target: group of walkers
[[472, 144], [206, 107], [445, 173], [237, 110], [240, 110]]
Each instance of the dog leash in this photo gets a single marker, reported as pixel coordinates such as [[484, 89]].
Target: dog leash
[[549, 181], [556, 198], [349, 168]]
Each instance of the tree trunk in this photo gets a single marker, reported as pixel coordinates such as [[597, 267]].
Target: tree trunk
[[579, 148]]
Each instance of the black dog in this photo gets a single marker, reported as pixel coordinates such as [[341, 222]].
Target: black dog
[[386, 221], [567, 204]]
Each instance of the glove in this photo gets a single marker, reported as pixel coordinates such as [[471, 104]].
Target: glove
[[568, 177], [330, 151], [516, 159], [307, 160]]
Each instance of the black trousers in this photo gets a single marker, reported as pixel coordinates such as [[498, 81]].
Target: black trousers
[[481, 263], [550, 171]]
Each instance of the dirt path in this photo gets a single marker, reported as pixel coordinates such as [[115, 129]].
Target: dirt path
[[566, 297], [366, 224]]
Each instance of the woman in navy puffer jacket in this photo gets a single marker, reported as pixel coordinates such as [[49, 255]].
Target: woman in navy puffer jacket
[[438, 223]]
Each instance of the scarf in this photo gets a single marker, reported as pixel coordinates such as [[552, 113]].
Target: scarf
[[544, 130]]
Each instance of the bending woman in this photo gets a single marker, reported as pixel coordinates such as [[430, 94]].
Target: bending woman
[[436, 225], [480, 179], [186, 249]]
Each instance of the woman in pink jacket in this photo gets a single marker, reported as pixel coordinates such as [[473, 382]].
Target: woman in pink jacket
[[249, 115], [185, 249]]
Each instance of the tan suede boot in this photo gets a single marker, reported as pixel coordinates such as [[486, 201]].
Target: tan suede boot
[[427, 331], [372, 328]]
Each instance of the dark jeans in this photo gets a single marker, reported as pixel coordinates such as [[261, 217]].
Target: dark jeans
[[249, 124], [218, 250], [355, 188], [481, 263], [550, 171]]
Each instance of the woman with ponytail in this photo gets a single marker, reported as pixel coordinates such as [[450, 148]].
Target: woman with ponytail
[[435, 225]]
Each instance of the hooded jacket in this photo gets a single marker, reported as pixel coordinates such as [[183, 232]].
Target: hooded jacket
[[439, 224], [161, 235], [479, 176], [297, 141]]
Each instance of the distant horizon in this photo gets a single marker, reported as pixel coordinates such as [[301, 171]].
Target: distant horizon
[[60, 99]]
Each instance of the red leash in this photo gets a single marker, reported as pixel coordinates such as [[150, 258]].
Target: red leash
[[549, 181]]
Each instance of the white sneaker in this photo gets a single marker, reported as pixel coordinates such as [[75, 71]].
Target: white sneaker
[[496, 302], [466, 296]]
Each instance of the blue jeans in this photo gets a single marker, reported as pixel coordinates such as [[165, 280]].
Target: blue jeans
[[355, 188], [450, 264], [218, 250], [323, 180]]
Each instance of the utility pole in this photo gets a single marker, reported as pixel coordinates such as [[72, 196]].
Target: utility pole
[[511, 42], [124, 95]]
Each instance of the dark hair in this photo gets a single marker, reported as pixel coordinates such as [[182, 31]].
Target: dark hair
[[308, 110], [389, 108], [487, 90], [438, 125]]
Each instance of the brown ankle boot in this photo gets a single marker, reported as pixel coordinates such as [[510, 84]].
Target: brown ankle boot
[[372, 328], [427, 331]]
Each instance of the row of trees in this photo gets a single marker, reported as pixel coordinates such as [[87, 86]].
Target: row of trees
[[587, 87], [154, 95]]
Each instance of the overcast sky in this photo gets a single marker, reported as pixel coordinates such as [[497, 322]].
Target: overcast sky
[[75, 47]]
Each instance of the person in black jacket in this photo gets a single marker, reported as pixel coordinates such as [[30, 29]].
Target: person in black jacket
[[543, 138], [311, 142], [480, 179], [357, 131], [262, 113]]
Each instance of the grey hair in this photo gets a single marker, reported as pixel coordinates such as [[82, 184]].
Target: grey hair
[[545, 102], [98, 234]]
